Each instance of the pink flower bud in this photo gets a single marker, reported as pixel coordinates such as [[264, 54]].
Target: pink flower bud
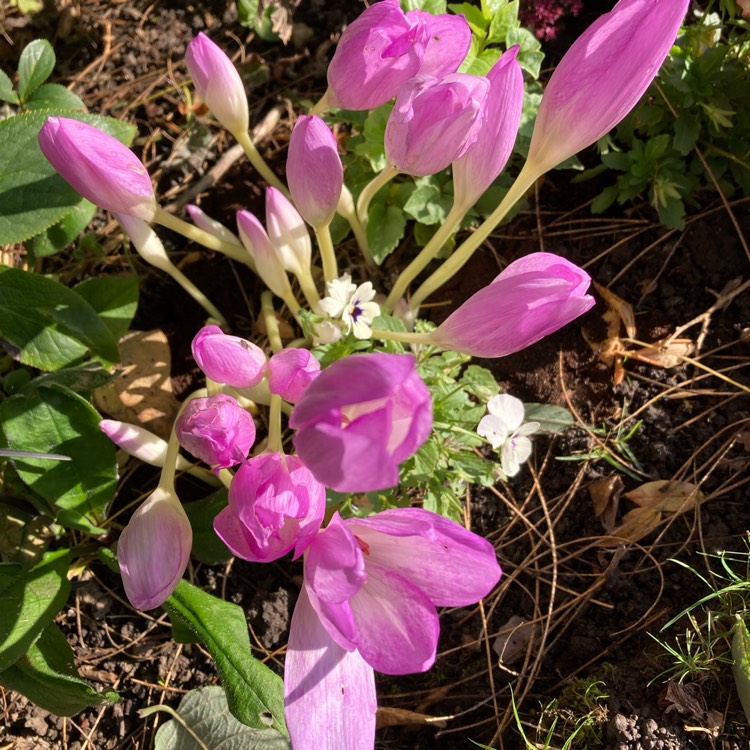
[[376, 55], [314, 171], [140, 443], [448, 42], [228, 359], [203, 221], [217, 430], [602, 77], [434, 122], [98, 166], [275, 505], [290, 371], [532, 297], [288, 233], [154, 549], [218, 83]]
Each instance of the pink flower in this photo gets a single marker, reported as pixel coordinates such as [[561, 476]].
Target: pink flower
[[228, 359], [448, 42], [314, 171], [275, 505], [290, 371], [602, 77], [377, 53], [99, 167], [154, 549], [288, 233], [478, 168], [216, 430], [434, 122], [532, 297], [370, 591], [360, 418], [218, 83]]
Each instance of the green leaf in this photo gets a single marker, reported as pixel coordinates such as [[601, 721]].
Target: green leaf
[[253, 690], [686, 131], [207, 547], [206, 724], [741, 666], [33, 196], [428, 205], [34, 67], [480, 382], [82, 380], [474, 17], [7, 94], [59, 421], [114, 298], [54, 96], [47, 676], [30, 602], [552, 419], [60, 235], [46, 325], [605, 199], [385, 229], [247, 13]]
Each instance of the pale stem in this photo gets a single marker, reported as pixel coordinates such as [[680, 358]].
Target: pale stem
[[252, 153], [452, 265], [405, 337], [321, 106], [274, 424], [272, 325], [307, 285], [346, 209], [327, 253], [226, 477], [372, 187], [428, 252]]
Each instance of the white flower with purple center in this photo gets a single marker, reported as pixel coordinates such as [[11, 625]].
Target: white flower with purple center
[[352, 304], [505, 430]]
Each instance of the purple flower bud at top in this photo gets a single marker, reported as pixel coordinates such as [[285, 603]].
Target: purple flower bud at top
[[532, 297], [449, 40], [434, 122], [218, 83], [478, 168], [290, 371], [360, 418], [228, 359], [314, 171], [217, 430], [376, 55], [275, 505], [288, 233], [99, 167], [154, 549], [602, 77]]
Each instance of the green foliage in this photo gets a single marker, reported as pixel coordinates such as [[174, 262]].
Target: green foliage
[[741, 665]]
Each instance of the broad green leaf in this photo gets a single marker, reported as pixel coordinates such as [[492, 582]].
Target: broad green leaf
[[253, 690], [741, 666], [205, 723], [207, 547], [114, 298], [385, 229], [46, 325], [54, 96], [59, 421], [33, 196], [686, 131], [7, 94], [46, 675], [29, 604], [60, 235], [82, 380], [480, 382], [551, 418], [34, 67], [428, 205]]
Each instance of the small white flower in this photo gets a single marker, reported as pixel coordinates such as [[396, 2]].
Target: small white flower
[[505, 429], [353, 304]]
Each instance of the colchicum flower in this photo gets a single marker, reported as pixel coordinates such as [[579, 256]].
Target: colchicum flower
[[290, 371], [505, 429], [228, 359], [275, 505], [370, 590], [288, 233], [352, 304], [535, 295], [360, 418], [448, 42], [99, 167]]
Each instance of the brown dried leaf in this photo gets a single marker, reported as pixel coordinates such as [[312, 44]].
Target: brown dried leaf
[[513, 639], [388, 716], [605, 495], [665, 353], [666, 496], [623, 311], [636, 524]]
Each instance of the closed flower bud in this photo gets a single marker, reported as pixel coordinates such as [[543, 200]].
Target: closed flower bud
[[448, 42], [101, 168], [290, 371], [228, 359], [139, 442], [288, 233]]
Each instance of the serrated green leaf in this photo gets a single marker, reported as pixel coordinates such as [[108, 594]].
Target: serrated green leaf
[[54, 96], [46, 675], [60, 235], [480, 382], [253, 690], [207, 547], [385, 229], [114, 298], [7, 94], [428, 205], [34, 67], [552, 419], [741, 666], [206, 724]]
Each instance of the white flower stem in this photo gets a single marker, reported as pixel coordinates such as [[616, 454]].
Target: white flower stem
[[372, 187], [327, 253], [274, 424], [307, 285], [253, 155], [166, 480], [272, 325], [406, 337], [347, 209]]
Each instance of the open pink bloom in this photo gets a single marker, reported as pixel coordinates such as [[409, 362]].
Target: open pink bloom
[[101, 168], [532, 297], [602, 77], [448, 42], [376, 55], [478, 168], [434, 122], [373, 585], [290, 371], [314, 171], [275, 505], [360, 418], [154, 549], [228, 359], [216, 430], [218, 83]]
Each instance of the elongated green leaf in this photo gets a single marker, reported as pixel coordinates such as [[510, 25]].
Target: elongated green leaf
[[741, 666], [59, 421], [48, 325], [206, 724], [551, 418], [34, 67], [46, 675], [254, 693], [207, 547], [30, 602], [115, 299]]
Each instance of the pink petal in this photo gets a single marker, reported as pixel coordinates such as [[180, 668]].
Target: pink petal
[[449, 39]]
